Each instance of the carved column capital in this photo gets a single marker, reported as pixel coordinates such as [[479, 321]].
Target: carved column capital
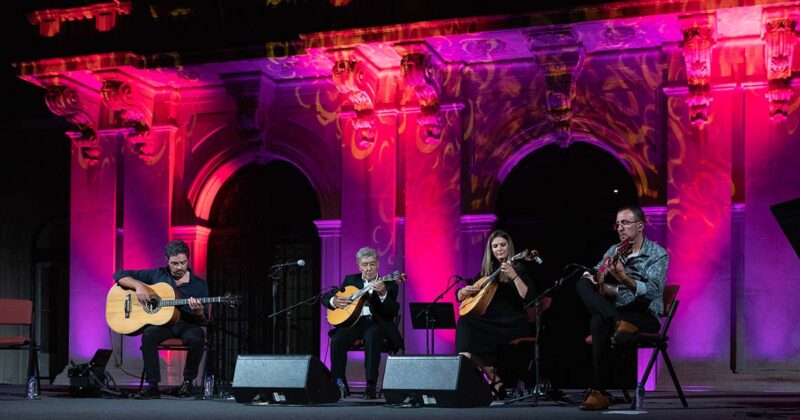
[[66, 103], [420, 72], [779, 41], [349, 77], [119, 97], [698, 41]]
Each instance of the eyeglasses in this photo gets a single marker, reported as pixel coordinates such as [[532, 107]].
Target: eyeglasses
[[372, 264], [625, 223]]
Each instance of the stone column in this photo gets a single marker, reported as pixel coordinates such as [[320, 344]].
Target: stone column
[[330, 234]]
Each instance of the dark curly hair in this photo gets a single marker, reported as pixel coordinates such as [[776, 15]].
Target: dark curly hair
[[176, 247]]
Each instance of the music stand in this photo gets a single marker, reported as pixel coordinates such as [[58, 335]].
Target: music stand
[[431, 317], [787, 214]]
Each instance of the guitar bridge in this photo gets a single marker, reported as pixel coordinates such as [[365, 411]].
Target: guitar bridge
[[128, 306]]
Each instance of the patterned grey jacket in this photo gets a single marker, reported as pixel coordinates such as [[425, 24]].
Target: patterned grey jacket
[[648, 268]]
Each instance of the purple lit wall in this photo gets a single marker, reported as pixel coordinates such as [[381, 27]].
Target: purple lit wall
[[699, 234], [406, 136], [92, 251], [772, 269]]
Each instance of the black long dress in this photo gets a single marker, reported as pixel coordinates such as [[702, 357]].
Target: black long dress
[[504, 320]]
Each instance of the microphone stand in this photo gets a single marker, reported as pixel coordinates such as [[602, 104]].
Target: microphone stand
[[275, 274], [430, 317], [288, 311], [537, 301]]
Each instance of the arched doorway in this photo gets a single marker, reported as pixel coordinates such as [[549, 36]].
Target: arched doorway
[[262, 216], [563, 201]]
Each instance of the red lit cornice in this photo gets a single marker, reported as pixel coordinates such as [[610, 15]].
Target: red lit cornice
[[104, 14], [84, 62]]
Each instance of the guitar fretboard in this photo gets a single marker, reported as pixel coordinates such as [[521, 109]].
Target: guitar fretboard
[[387, 278], [178, 302]]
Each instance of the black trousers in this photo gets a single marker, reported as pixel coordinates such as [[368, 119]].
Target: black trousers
[[191, 334], [343, 338], [603, 319]]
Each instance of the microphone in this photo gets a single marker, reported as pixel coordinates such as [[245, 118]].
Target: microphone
[[459, 278], [299, 263], [591, 270]]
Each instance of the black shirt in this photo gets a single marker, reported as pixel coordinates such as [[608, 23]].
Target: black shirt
[[196, 287]]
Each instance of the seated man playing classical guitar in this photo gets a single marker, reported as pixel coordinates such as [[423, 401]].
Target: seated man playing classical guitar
[[639, 266], [192, 316], [375, 323]]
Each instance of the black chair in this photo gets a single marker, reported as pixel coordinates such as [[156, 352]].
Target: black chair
[[659, 342]]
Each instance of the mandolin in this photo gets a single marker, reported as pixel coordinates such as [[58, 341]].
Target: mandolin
[[611, 289], [125, 315], [477, 304], [349, 315]]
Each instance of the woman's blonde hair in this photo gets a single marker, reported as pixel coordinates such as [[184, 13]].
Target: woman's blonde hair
[[488, 257]]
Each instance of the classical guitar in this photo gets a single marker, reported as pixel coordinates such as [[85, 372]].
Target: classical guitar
[[610, 289], [349, 315], [125, 315], [477, 304]]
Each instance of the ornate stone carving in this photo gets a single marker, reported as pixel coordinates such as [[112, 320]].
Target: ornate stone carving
[[558, 52], [419, 71], [779, 42], [118, 97], [698, 40], [245, 91], [483, 47], [561, 72], [104, 14], [619, 35], [349, 79], [549, 38], [65, 102]]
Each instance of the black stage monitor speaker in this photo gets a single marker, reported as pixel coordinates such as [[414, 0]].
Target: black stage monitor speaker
[[283, 379], [437, 381]]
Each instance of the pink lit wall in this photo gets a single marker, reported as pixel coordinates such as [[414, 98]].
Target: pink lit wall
[[699, 231], [93, 236], [432, 191], [425, 202], [772, 269]]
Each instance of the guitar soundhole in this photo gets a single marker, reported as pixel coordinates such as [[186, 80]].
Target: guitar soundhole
[[152, 305]]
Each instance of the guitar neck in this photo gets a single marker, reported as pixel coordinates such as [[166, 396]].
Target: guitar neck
[[178, 302], [368, 286]]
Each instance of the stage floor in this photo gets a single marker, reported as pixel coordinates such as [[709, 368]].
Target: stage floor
[[55, 402]]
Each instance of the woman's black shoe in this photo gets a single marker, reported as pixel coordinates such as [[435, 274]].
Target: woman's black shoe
[[498, 390]]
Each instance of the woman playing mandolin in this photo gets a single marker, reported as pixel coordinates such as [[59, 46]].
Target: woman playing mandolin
[[478, 335]]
